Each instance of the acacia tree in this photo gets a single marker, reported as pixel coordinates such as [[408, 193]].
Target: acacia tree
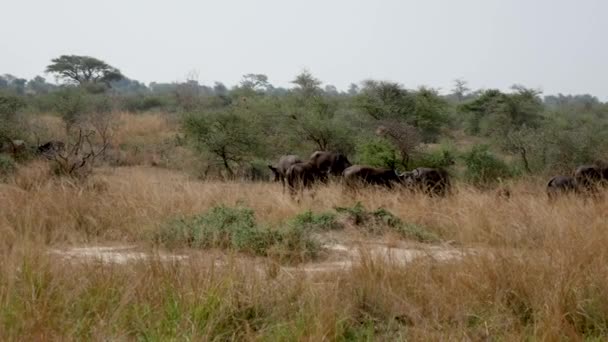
[[83, 70]]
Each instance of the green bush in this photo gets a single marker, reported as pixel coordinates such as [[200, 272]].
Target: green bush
[[482, 167], [377, 152], [381, 220], [309, 221], [236, 229], [7, 166], [441, 158]]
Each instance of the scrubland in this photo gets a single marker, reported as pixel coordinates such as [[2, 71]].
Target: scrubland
[[529, 269]]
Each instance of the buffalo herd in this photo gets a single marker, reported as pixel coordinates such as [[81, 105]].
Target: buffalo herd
[[299, 174], [586, 180]]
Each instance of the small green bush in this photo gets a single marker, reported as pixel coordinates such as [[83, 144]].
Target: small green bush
[[236, 228], [315, 222], [441, 158], [381, 220], [377, 152], [7, 166], [483, 167]]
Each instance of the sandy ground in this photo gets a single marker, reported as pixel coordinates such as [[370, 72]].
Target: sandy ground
[[338, 255]]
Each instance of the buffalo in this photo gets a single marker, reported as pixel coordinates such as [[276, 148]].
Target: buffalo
[[302, 175], [559, 185], [280, 168], [590, 177], [50, 149], [361, 174], [329, 163], [428, 180]]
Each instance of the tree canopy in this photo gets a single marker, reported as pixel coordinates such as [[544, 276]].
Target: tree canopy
[[83, 70]]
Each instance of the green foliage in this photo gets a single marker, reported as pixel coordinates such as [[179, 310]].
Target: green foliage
[[423, 109], [381, 220], [10, 121], [385, 100], [309, 221], [483, 167], [228, 135], [7, 166], [377, 152], [440, 158], [236, 229], [430, 113], [497, 113], [83, 70], [71, 103]]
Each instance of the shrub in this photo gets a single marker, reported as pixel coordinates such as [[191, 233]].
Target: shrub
[[236, 228], [377, 152], [441, 158], [7, 166], [482, 167], [381, 220], [309, 221]]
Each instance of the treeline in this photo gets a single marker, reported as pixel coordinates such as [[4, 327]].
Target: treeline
[[483, 135]]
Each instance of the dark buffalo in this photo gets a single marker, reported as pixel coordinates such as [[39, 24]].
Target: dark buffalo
[[590, 177], [560, 185], [329, 163], [302, 175], [50, 149], [360, 174], [280, 168], [428, 180]]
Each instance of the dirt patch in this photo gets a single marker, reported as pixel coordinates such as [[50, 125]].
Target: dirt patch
[[113, 254], [340, 256]]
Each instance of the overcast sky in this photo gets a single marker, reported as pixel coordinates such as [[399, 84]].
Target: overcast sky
[[554, 45]]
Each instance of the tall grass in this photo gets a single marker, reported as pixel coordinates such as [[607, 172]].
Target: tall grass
[[539, 270]]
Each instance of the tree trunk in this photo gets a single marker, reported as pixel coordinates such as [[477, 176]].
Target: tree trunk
[[227, 167], [524, 158]]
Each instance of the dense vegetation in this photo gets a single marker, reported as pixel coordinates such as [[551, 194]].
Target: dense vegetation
[[488, 133]]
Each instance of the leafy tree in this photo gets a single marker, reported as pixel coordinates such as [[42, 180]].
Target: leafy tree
[[307, 85], [430, 113], [71, 104], [10, 123], [460, 89], [83, 70], [385, 100], [226, 134], [423, 109], [38, 85], [255, 82], [495, 112]]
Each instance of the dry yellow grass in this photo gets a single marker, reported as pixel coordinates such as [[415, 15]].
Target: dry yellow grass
[[541, 270]]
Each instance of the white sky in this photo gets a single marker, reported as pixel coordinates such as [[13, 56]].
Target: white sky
[[554, 45]]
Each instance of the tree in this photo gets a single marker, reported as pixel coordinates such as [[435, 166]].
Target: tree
[[38, 85], [10, 122], [307, 84], [83, 70], [227, 135], [255, 82], [423, 109], [71, 104], [460, 89], [385, 100], [496, 113], [404, 137]]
